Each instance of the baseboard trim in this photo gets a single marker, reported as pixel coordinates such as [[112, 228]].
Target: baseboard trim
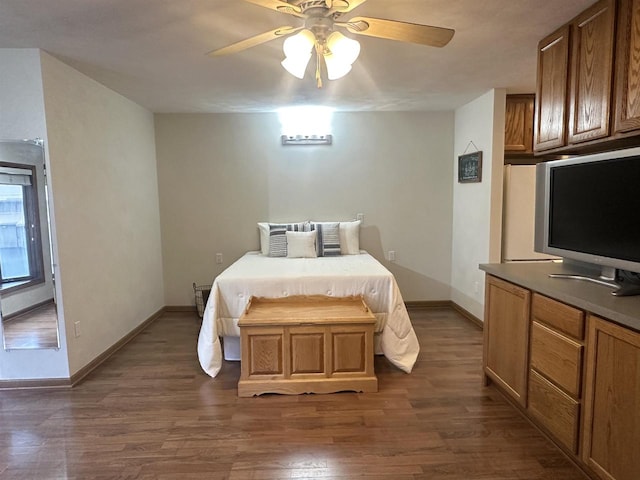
[[418, 305], [100, 359], [180, 308], [468, 315], [39, 383]]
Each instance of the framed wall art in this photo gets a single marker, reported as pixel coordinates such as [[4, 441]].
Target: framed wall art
[[470, 167]]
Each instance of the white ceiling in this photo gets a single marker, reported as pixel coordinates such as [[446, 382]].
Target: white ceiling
[[153, 52]]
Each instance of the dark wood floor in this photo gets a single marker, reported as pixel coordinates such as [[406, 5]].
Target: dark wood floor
[[150, 413], [37, 328]]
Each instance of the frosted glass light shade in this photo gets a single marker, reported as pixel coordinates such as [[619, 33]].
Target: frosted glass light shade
[[335, 68], [297, 65], [343, 48], [297, 50], [299, 44]]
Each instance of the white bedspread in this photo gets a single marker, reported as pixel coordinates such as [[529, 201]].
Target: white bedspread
[[262, 276]]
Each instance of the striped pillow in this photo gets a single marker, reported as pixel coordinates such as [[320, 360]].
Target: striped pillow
[[328, 238], [278, 237]]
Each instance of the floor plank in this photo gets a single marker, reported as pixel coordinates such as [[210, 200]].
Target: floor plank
[[150, 412], [37, 328]]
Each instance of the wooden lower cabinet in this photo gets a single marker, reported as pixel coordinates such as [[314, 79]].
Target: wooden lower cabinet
[[582, 377], [611, 436], [506, 335]]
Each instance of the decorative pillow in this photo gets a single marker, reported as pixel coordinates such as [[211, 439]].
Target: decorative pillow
[[350, 237], [263, 228], [301, 244], [278, 238], [328, 239]]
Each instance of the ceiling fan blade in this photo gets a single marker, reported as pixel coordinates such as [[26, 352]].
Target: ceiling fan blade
[[253, 41], [344, 6], [401, 31], [279, 6]]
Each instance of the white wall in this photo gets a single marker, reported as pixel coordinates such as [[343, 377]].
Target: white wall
[[477, 207], [21, 101], [104, 181], [220, 174], [22, 117]]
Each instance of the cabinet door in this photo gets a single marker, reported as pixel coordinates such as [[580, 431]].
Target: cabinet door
[[591, 72], [506, 331], [551, 90], [518, 132], [612, 401], [627, 73]]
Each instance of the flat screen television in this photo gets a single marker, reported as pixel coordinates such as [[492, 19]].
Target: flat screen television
[[588, 209]]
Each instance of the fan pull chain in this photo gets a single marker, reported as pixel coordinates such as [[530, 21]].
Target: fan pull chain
[[318, 66]]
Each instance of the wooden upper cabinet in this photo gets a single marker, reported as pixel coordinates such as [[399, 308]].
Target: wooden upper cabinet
[[551, 90], [518, 132], [591, 72], [627, 69]]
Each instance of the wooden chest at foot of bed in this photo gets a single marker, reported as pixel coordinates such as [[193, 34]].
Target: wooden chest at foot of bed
[[306, 344]]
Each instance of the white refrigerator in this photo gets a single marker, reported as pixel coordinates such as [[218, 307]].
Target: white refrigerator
[[518, 212]]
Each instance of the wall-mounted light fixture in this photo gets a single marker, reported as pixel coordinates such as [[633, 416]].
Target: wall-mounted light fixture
[[306, 125], [306, 139]]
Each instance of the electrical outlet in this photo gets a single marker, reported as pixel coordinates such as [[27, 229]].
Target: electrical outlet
[[218, 258], [476, 287], [392, 255], [76, 329]]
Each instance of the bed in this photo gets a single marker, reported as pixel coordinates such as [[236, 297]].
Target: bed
[[255, 274]]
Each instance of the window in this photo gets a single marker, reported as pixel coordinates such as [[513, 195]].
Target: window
[[20, 247]]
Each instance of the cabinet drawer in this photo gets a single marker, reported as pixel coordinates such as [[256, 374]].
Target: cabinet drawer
[[555, 410], [557, 357], [555, 314]]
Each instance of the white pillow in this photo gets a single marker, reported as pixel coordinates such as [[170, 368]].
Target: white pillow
[[350, 237], [301, 244], [265, 236], [263, 227]]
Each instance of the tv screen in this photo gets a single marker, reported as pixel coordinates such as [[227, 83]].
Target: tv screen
[[594, 208]]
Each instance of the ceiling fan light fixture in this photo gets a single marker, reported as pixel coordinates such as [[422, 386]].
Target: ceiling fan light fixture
[[338, 51], [297, 51], [299, 44], [296, 66], [335, 68], [343, 48]]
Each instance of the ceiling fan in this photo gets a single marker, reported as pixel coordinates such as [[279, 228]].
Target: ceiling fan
[[335, 50]]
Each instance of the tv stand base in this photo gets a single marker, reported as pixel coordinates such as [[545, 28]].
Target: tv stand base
[[624, 290]]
